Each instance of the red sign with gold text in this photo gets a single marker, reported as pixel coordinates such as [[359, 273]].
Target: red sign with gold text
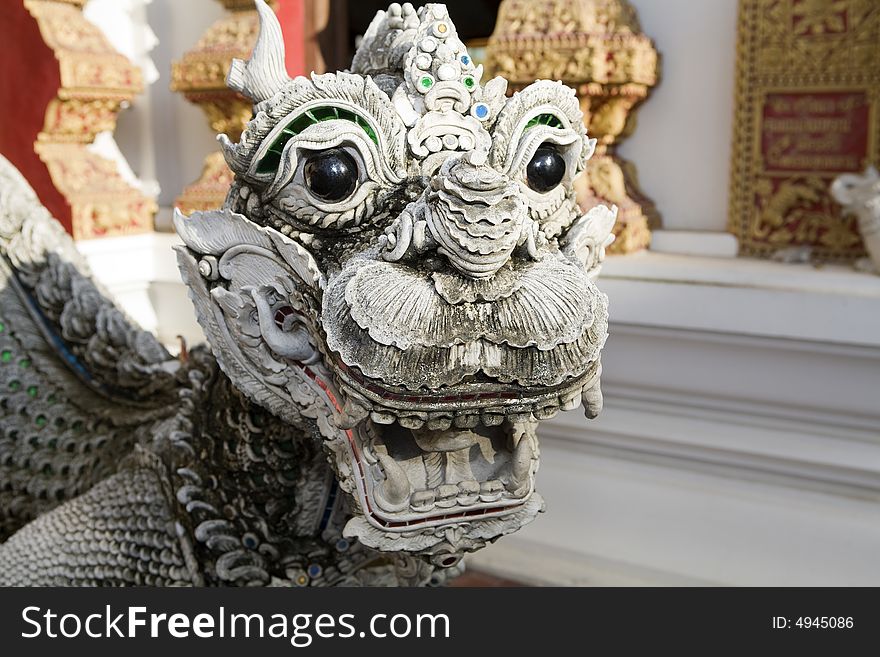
[[808, 90]]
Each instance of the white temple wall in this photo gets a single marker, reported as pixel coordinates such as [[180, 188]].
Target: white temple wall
[[682, 142]]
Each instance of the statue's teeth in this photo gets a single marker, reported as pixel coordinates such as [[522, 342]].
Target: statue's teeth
[[518, 418], [393, 494], [546, 413], [518, 483], [468, 492], [490, 491], [467, 420], [516, 435], [439, 422], [592, 398], [422, 500], [469, 487], [446, 495], [411, 422], [381, 417], [570, 401], [492, 419]]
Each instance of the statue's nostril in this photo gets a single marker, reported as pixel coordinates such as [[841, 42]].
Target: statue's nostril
[[281, 314]]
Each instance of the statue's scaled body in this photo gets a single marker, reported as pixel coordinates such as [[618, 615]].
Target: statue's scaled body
[[396, 292]]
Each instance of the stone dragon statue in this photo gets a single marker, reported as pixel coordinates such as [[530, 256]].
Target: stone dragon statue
[[397, 290]]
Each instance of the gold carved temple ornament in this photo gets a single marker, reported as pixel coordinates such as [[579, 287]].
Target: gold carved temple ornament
[[807, 110], [95, 83], [201, 77], [597, 47]]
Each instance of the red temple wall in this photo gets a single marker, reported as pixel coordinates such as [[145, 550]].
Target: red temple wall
[[29, 80]]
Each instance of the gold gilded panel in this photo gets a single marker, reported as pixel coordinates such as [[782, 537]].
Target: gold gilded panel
[[808, 88]]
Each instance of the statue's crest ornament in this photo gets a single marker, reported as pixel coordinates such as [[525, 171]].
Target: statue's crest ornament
[[401, 265]]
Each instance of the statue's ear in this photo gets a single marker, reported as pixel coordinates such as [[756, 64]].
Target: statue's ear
[[257, 296]]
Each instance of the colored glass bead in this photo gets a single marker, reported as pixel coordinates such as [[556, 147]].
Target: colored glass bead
[[331, 175], [546, 169]]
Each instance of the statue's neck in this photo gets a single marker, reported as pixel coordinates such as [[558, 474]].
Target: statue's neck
[[257, 495]]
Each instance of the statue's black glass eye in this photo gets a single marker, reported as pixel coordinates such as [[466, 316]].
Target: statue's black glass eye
[[331, 175], [546, 168]]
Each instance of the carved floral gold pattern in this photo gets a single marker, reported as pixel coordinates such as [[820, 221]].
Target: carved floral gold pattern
[[201, 77], [595, 46], [95, 81]]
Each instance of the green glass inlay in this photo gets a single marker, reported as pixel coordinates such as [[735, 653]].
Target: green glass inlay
[[545, 119], [24, 362], [270, 161], [2, 327], [469, 82], [325, 114], [32, 391], [15, 385], [6, 355], [366, 128], [41, 420], [426, 82]]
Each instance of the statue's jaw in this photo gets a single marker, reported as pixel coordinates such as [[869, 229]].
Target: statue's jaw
[[442, 492], [444, 472]]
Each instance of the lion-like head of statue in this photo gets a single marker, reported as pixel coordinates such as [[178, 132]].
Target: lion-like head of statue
[[401, 266]]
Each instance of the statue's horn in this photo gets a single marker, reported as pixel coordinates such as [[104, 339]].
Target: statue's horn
[[263, 75]]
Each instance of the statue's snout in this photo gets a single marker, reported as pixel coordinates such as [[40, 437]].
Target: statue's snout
[[473, 215]]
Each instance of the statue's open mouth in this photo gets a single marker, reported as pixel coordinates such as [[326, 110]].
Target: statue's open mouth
[[438, 484], [430, 477], [450, 458]]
